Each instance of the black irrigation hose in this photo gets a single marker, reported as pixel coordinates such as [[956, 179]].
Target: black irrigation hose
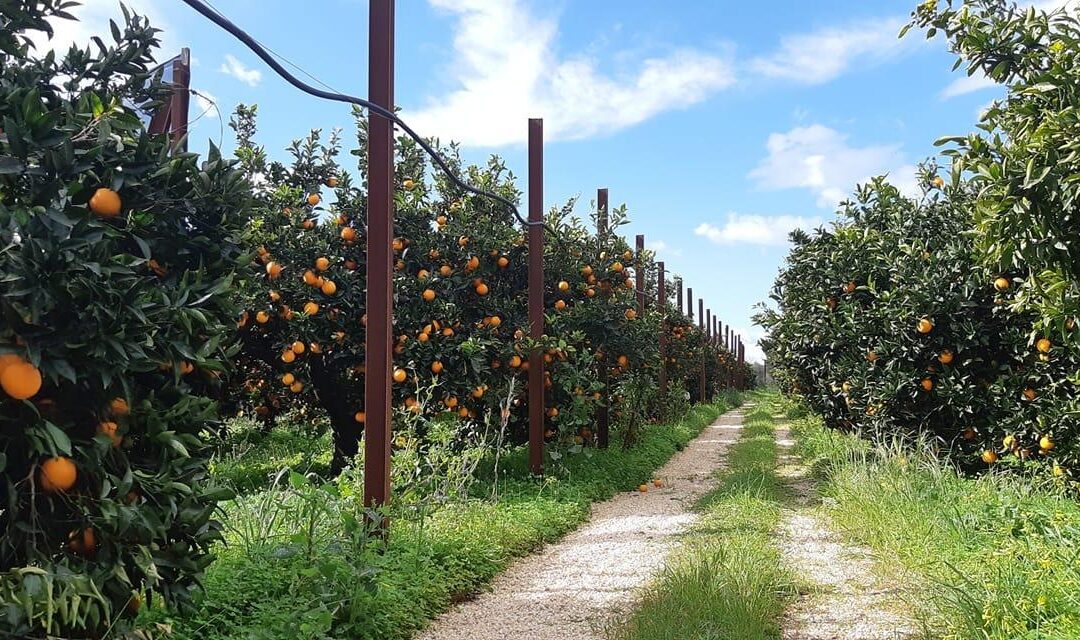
[[266, 57]]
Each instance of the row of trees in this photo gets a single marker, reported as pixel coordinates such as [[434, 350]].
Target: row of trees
[[953, 315], [147, 294]]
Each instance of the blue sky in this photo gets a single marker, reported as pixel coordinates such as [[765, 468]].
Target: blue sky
[[721, 124]]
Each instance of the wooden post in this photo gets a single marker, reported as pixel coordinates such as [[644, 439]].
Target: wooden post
[[172, 117], [679, 295], [690, 303], [705, 342], [661, 305], [639, 270], [603, 412], [536, 294], [380, 236]]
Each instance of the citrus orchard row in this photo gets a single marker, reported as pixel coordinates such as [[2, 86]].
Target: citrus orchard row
[[951, 315]]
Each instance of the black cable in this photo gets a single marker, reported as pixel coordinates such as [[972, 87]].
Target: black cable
[[437, 158]]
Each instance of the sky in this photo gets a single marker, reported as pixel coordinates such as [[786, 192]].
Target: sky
[[721, 124]]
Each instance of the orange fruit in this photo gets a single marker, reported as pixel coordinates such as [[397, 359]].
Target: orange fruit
[[560, 305], [924, 326], [273, 270], [108, 429], [478, 392], [105, 203], [515, 361], [298, 347], [630, 314], [288, 379], [328, 288], [21, 380], [463, 241], [436, 367], [927, 384], [1043, 345], [400, 375], [445, 271], [617, 267], [409, 184], [397, 245], [296, 387], [494, 322], [57, 474], [428, 295], [348, 234], [503, 262], [262, 317], [311, 308], [1002, 284], [423, 337], [288, 356], [360, 417], [314, 199], [564, 286], [1029, 393], [332, 181], [82, 542], [119, 407], [989, 457], [310, 278], [1046, 443], [945, 357], [658, 483], [472, 264], [849, 287], [322, 263], [871, 356], [482, 289], [643, 488], [441, 221]]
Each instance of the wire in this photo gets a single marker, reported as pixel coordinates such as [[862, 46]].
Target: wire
[[260, 51]]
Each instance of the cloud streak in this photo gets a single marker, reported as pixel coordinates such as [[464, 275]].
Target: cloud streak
[[755, 229], [236, 69], [507, 69]]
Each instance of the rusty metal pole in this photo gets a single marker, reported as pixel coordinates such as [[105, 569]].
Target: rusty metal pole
[[536, 294], [380, 234], [690, 303], [181, 99], [639, 270], [679, 295], [705, 342], [661, 306], [603, 413]]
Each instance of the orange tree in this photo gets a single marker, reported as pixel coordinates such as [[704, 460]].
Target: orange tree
[[460, 282], [887, 324], [116, 259]]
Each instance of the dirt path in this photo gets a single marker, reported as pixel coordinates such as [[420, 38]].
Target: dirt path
[[568, 590], [849, 599]]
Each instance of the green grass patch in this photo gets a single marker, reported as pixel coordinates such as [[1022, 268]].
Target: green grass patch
[[725, 581], [248, 457], [298, 566], [993, 557]]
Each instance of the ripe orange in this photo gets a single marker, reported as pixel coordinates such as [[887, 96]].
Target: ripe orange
[[428, 295], [590, 292], [564, 286], [1002, 284], [463, 241], [472, 264], [482, 289], [1043, 345], [57, 475], [262, 317], [119, 407], [849, 287], [436, 367], [314, 199], [82, 542], [409, 184], [108, 429], [397, 245], [938, 182], [105, 203], [658, 483], [322, 263], [310, 278], [630, 314], [560, 305], [872, 356], [1029, 393], [328, 288], [553, 412], [273, 270], [298, 347], [617, 267], [311, 308], [927, 384], [924, 326], [445, 271], [296, 387], [989, 457], [945, 357], [288, 379], [21, 380], [288, 356], [478, 392], [400, 375], [643, 488], [515, 361], [332, 181], [423, 337], [348, 234], [494, 322], [503, 262], [360, 417], [441, 221], [1046, 443]]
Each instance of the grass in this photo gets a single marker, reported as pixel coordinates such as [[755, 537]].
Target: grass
[[248, 457], [298, 565], [993, 557], [725, 581]]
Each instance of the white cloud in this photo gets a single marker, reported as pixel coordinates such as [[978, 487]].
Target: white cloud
[[506, 64], [819, 56], [235, 68], [967, 84], [820, 159], [753, 229], [661, 248]]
